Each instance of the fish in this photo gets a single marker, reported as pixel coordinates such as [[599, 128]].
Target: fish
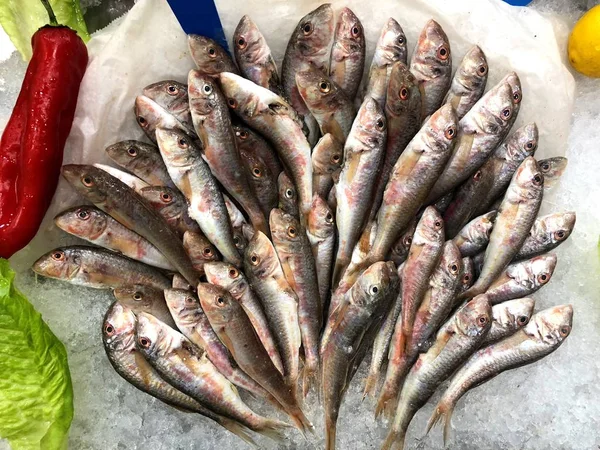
[[234, 329], [399, 251], [210, 58], [507, 318], [391, 47], [279, 300], [118, 337], [431, 64], [193, 178], [249, 141], [275, 119], [474, 236], [181, 283], [363, 309], [403, 107], [327, 102], [503, 163], [97, 268], [172, 206], [172, 96], [321, 235], [545, 332], [522, 278], [454, 343], [135, 183], [515, 218], [552, 168], [412, 177], [363, 153], [547, 233], [150, 116], [200, 250], [95, 226], [187, 368], [327, 158], [228, 277], [141, 159], [468, 275], [309, 44], [253, 56], [480, 131], [443, 202], [468, 84], [347, 61], [438, 299], [126, 206], [263, 183], [142, 298], [288, 197], [298, 263], [213, 126]]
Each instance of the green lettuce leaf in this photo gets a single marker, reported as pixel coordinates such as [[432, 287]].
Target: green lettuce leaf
[[36, 394], [22, 18]]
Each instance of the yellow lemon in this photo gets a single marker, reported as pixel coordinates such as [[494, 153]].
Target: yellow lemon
[[584, 44]]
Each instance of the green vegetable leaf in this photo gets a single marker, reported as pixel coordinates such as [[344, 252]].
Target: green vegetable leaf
[[36, 395], [22, 18]]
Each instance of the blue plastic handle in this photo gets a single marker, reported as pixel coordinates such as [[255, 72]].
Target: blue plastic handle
[[199, 17]]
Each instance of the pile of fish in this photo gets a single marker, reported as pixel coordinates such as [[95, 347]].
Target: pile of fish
[[276, 230]]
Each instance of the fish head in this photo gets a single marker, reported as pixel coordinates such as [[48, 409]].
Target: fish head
[[559, 226], [321, 222], [450, 268], [239, 237], [528, 176], [402, 246], [442, 129], [327, 155], [285, 230], [249, 44], [433, 46], [553, 168], [151, 335], [553, 325], [176, 147], [245, 138], [318, 91], [89, 181], [223, 274], [209, 56], [204, 93], [523, 142], [430, 228], [370, 125], [540, 269], [61, 263], [260, 257], [514, 313], [314, 32], [403, 93], [138, 297], [496, 110], [168, 92], [85, 221], [515, 89], [118, 328], [161, 197], [375, 285], [288, 198], [391, 45], [246, 98], [474, 67], [198, 247], [475, 317], [149, 114], [259, 171], [349, 31], [125, 152], [481, 227], [468, 274], [184, 307], [218, 304]]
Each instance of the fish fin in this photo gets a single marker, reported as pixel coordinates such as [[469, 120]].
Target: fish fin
[[330, 435], [394, 440], [371, 384], [310, 378], [274, 429], [239, 430], [443, 412]]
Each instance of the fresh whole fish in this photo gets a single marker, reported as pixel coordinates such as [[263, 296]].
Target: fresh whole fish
[[363, 309], [544, 333], [347, 61], [263, 183], [253, 55], [327, 158], [455, 342], [275, 119], [403, 113], [288, 197], [97, 268], [233, 327], [228, 277], [327, 102], [280, 303], [515, 218], [474, 236], [249, 141], [200, 250], [97, 227], [181, 283], [187, 368], [173, 96], [213, 126], [142, 298], [507, 318], [172, 206], [135, 183], [142, 160], [118, 336], [125, 205], [399, 251], [431, 64], [547, 233], [150, 116], [468, 84], [210, 58], [552, 168], [363, 154], [468, 275], [194, 179], [309, 45], [391, 47], [298, 263], [413, 175]]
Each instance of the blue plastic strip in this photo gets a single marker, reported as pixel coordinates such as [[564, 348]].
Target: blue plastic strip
[[199, 17], [518, 2]]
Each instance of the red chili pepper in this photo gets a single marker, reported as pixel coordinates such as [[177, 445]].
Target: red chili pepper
[[31, 148]]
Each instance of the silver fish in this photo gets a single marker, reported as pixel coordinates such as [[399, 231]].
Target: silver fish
[[508, 317], [552, 168], [200, 250], [141, 159], [134, 182], [288, 197], [172, 206], [251, 142], [210, 57], [150, 116], [468, 84], [474, 236], [173, 96], [547, 233], [142, 298]]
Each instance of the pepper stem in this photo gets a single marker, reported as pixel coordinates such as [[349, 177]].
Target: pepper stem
[[51, 15]]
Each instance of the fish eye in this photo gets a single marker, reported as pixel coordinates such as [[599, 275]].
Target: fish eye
[[289, 193], [543, 278], [220, 300], [482, 69], [516, 97], [254, 260], [142, 121], [207, 251], [257, 172], [437, 224], [109, 329], [401, 40], [450, 132], [482, 320], [373, 290], [380, 124], [407, 240], [58, 255], [236, 240], [232, 103], [329, 218], [132, 151], [183, 143], [537, 179], [190, 300], [404, 93], [506, 113], [443, 52], [453, 268], [83, 214], [355, 31], [559, 235], [291, 231], [324, 86], [243, 134], [466, 278], [477, 175], [137, 296], [173, 90], [212, 52], [545, 166], [307, 29], [145, 342], [166, 197], [335, 158], [530, 145], [87, 181], [207, 89], [523, 320], [565, 330], [241, 43], [233, 273]]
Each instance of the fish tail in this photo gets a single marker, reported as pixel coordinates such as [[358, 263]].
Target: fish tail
[[239, 430], [443, 412], [273, 429], [394, 440], [330, 433], [300, 420], [371, 383], [310, 377], [388, 399], [473, 291], [338, 270], [257, 218]]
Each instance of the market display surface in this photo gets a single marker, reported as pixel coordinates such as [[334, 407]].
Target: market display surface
[[280, 234]]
